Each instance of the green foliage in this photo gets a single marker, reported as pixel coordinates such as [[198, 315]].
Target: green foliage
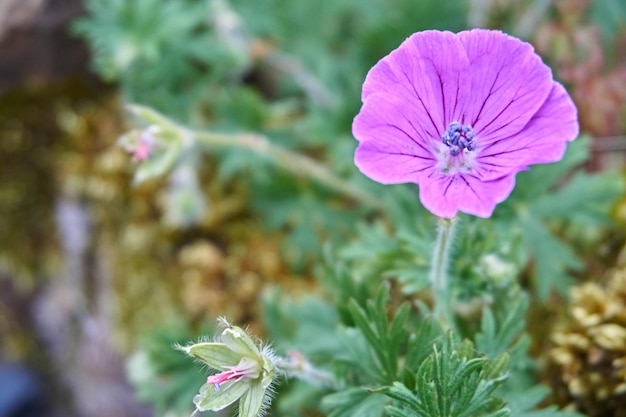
[[376, 349], [451, 382], [378, 251], [190, 60], [502, 331], [384, 337], [158, 50], [306, 324], [354, 402], [543, 197], [307, 213], [610, 16], [291, 71], [525, 403], [161, 375]]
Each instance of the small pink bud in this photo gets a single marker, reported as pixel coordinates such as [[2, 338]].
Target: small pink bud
[[144, 146]]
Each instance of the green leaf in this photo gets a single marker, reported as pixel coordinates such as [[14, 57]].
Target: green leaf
[[451, 382], [523, 403], [498, 336], [420, 344], [584, 198], [552, 257], [393, 411], [497, 367], [384, 337], [359, 355], [540, 179], [403, 395], [354, 402]]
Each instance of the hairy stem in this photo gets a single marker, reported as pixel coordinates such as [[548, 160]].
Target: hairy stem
[[439, 272], [293, 162], [296, 366]]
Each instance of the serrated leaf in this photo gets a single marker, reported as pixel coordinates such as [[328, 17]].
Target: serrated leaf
[[552, 258], [497, 367], [354, 402], [523, 403], [402, 394], [584, 197], [503, 335], [541, 178], [392, 411], [357, 353]]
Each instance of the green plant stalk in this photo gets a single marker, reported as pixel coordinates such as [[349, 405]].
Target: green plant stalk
[[297, 367], [439, 272], [293, 162]]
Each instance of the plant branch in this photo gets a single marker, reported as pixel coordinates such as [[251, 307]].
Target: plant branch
[[293, 162]]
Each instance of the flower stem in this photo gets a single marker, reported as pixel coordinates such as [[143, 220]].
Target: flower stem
[[439, 272], [293, 162], [296, 366]]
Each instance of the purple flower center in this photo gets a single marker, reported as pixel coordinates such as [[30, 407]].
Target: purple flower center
[[459, 137]]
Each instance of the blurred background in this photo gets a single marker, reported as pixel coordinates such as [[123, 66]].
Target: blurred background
[[98, 277]]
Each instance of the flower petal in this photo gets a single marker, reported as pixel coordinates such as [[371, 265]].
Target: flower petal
[[214, 399], [393, 146], [429, 71], [486, 80], [509, 83], [445, 195], [215, 355], [543, 139]]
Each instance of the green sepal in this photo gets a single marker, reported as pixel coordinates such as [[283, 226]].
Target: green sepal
[[269, 372], [215, 355], [252, 400], [238, 341], [214, 399]]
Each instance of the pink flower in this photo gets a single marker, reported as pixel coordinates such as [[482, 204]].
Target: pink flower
[[246, 368], [460, 115], [247, 372]]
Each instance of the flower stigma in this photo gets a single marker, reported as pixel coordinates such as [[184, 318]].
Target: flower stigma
[[459, 137]]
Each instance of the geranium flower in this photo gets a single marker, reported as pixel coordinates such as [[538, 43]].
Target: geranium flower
[[245, 372], [460, 115]]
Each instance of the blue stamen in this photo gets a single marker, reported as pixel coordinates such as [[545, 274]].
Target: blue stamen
[[459, 137]]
